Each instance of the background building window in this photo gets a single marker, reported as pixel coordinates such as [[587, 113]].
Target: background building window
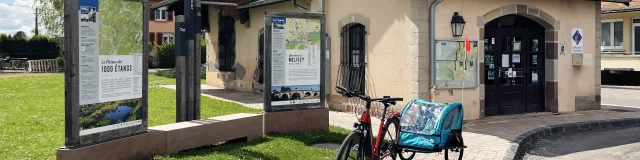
[[351, 74], [612, 32], [161, 14], [258, 73], [168, 38], [226, 43]]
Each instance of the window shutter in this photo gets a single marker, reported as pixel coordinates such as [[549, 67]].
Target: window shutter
[[152, 15], [160, 39], [169, 16], [152, 37]]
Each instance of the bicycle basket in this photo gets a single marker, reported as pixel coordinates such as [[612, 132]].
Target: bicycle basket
[[428, 125]]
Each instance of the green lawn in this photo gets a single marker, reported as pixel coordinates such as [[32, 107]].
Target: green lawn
[[32, 123]]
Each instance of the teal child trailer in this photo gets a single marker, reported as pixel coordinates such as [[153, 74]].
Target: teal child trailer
[[431, 127]]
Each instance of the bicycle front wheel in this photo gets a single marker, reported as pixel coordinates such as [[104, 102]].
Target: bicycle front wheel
[[350, 148]]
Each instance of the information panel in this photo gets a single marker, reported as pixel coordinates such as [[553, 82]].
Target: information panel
[[454, 67], [295, 60], [110, 87]]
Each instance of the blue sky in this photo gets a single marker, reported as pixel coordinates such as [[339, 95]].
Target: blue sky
[[10, 2], [16, 15]]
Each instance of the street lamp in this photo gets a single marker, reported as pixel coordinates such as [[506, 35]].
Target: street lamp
[[457, 24]]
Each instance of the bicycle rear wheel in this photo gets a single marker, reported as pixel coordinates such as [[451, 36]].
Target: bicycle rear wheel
[[455, 154], [350, 148]]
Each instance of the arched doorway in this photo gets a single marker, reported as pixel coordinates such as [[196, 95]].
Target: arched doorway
[[514, 66]]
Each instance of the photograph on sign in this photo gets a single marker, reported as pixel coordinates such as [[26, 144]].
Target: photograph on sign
[[295, 60], [110, 65], [576, 40], [515, 58]]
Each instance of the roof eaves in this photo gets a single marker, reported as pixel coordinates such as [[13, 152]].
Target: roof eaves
[[163, 4], [258, 4]]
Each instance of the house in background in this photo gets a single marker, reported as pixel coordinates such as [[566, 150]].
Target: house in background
[[383, 47], [620, 36], [161, 25]]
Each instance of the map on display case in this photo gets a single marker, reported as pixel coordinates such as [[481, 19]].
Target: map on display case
[[453, 65]]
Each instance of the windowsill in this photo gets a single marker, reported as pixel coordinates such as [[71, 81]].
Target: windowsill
[[160, 20]]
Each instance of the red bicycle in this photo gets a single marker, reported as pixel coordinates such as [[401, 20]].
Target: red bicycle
[[359, 144]]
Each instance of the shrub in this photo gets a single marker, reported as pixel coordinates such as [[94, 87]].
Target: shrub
[[166, 55]]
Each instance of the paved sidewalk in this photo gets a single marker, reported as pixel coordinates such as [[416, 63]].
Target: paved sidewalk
[[487, 139]]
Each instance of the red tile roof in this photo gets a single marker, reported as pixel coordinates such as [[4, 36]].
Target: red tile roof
[[612, 7]]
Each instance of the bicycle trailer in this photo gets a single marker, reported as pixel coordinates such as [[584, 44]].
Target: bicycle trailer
[[427, 125]]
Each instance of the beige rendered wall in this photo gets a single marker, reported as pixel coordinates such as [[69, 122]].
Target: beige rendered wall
[[246, 48], [621, 61], [572, 81], [388, 44]]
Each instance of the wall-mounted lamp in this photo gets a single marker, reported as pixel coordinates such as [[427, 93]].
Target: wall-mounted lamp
[[457, 25]]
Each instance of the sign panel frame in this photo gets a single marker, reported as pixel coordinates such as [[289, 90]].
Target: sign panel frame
[[268, 107], [73, 137]]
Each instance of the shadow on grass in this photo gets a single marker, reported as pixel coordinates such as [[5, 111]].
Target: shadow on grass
[[234, 149], [272, 146]]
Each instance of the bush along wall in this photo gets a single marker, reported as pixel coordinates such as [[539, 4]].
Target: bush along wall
[[165, 57]]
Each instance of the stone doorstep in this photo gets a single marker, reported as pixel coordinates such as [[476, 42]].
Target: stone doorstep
[[520, 144], [171, 138]]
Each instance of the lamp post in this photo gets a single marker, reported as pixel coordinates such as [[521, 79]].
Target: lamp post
[[457, 24]]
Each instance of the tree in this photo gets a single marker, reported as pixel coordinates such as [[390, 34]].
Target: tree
[[20, 35], [51, 16]]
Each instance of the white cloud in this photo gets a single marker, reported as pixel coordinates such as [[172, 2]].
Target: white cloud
[[18, 16]]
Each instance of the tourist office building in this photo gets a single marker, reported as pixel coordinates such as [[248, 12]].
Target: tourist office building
[[524, 55]]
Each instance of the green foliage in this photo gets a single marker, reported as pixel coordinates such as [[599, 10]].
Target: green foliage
[[166, 55], [171, 73], [38, 47], [20, 35], [94, 115], [51, 16]]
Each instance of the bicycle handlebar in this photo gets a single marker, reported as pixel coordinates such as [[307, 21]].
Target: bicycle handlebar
[[385, 99]]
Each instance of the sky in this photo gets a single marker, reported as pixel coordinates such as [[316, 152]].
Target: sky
[[17, 15]]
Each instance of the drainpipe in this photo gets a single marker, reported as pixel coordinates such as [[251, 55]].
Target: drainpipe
[[432, 49], [299, 6], [320, 6]]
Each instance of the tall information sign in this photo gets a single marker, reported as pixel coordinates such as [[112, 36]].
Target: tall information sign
[[106, 73], [294, 64]]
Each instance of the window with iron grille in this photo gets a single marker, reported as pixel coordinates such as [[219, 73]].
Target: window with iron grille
[[226, 43], [351, 73]]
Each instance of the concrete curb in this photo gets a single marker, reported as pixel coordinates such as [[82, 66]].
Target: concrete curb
[[621, 87], [519, 146]]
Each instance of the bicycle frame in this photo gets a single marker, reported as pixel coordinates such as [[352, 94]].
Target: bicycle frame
[[364, 126]]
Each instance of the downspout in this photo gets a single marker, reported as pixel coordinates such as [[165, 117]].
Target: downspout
[[299, 6], [432, 49], [320, 6]]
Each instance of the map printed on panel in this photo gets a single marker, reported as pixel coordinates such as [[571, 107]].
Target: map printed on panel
[[295, 61], [111, 45], [451, 63]]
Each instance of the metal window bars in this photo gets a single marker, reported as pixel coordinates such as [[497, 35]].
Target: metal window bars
[[351, 72]]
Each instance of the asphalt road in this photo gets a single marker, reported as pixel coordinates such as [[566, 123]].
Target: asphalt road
[[621, 97], [617, 144]]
